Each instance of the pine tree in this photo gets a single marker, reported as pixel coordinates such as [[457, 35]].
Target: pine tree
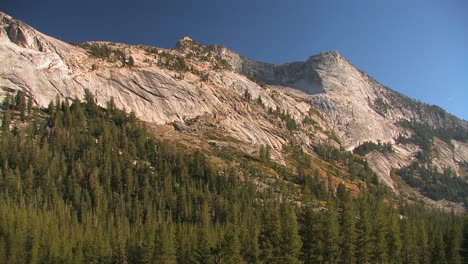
[[394, 239], [166, 244], [131, 61], [28, 186], [332, 235], [311, 235], [438, 250], [204, 244], [6, 120], [347, 225], [453, 241], [420, 227], [363, 229], [464, 247], [379, 231], [249, 241], [409, 254], [230, 247], [270, 235], [20, 104], [6, 101], [290, 241], [29, 104]]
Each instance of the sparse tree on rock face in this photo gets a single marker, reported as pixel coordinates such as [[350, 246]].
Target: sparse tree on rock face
[[20, 104], [265, 153], [6, 121], [30, 104], [247, 95], [130, 62], [7, 101]]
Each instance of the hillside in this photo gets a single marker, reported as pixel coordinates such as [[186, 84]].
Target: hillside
[[211, 98], [116, 153], [83, 184]]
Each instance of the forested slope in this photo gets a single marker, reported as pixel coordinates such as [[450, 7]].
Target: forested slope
[[82, 184]]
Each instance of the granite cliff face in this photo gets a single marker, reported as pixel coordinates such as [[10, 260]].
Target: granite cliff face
[[356, 106], [228, 95], [155, 88]]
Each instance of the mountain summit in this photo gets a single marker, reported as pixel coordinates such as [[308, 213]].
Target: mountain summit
[[205, 96]]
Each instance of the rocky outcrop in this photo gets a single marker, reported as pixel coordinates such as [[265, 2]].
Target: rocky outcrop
[[356, 106]]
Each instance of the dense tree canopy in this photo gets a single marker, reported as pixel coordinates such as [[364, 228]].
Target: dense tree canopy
[[80, 184]]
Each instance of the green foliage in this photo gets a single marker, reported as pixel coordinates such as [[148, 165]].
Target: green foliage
[[81, 184], [130, 61], [422, 175], [7, 102], [434, 184], [331, 250], [260, 101], [291, 242], [464, 245], [265, 153], [310, 121], [380, 106], [285, 117], [356, 166], [172, 62], [6, 120], [151, 50], [370, 146], [102, 51], [20, 104], [423, 136]]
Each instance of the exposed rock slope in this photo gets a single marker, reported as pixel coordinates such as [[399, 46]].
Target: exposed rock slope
[[355, 105]]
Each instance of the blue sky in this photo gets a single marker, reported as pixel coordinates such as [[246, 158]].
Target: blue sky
[[417, 47]]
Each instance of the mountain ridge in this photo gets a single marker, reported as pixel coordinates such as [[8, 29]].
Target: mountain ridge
[[194, 89]]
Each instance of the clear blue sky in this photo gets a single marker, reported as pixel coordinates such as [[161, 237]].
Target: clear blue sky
[[417, 47]]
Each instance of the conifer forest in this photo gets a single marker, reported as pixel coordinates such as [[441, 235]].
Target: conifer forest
[[84, 184]]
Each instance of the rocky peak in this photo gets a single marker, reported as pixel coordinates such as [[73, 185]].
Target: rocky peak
[[188, 44], [20, 33], [328, 60], [331, 53], [186, 38]]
